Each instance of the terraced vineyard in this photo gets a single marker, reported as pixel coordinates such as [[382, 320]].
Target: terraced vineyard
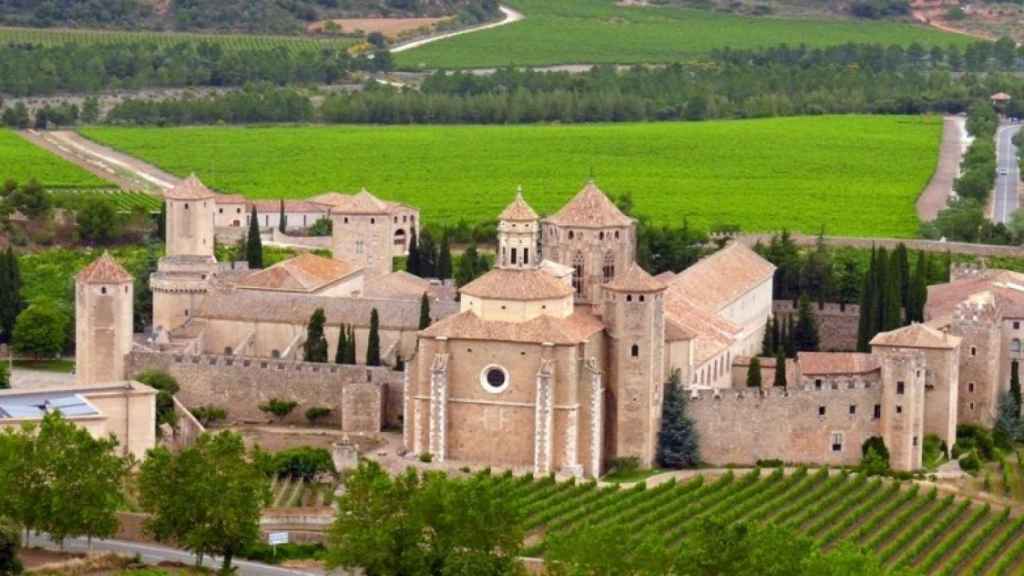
[[294, 493], [54, 36], [906, 525], [123, 199]]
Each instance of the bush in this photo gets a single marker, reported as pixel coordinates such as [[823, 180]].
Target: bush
[[973, 437], [770, 463], [876, 443], [970, 463], [261, 552], [279, 408], [623, 466], [10, 540], [426, 457], [316, 413], [209, 414], [304, 462]]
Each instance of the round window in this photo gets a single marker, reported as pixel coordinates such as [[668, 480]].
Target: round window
[[494, 379]]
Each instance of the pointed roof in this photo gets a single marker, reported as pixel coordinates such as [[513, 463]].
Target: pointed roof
[[304, 273], [189, 189], [635, 279], [590, 208], [574, 329], [361, 203], [104, 270], [916, 336], [515, 284], [518, 210]]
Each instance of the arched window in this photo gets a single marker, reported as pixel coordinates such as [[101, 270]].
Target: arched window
[[577, 273], [609, 267], [400, 238]]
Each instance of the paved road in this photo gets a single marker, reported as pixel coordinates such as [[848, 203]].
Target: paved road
[[154, 554], [510, 17], [1006, 200]]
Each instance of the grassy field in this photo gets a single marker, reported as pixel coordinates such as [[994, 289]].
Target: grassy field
[[598, 31], [22, 161], [906, 525], [854, 175], [52, 36], [124, 200]]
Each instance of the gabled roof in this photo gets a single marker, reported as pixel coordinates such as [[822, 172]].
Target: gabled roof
[[518, 210], [505, 284], [716, 281], [635, 279], [590, 208], [577, 328], [189, 189], [304, 273], [916, 336], [1006, 287], [711, 333], [357, 204], [836, 363], [104, 270], [397, 284]]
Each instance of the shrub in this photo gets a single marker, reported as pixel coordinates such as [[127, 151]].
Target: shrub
[[974, 437], [209, 414], [316, 413], [426, 457], [262, 552], [10, 540], [279, 408], [304, 462], [770, 463], [970, 463], [624, 466]]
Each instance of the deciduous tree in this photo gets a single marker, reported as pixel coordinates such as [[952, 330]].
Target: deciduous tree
[[41, 330]]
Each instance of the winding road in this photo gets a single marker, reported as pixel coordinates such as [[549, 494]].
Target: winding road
[[511, 16], [1006, 200]]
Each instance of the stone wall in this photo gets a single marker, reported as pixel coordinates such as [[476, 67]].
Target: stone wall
[[743, 426], [837, 325], [241, 384]]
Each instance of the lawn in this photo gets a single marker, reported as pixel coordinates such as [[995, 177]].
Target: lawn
[[22, 161], [854, 175], [598, 31]]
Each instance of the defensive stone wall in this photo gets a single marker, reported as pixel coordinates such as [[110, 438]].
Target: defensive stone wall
[[837, 324], [361, 399], [794, 424]]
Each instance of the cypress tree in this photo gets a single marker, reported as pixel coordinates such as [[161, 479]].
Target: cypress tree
[[315, 347], [918, 289], [805, 335], [444, 258], [790, 345], [903, 264], [11, 302], [350, 343], [283, 219], [339, 354], [254, 244], [677, 439], [424, 311], [865, 322], [754, 373], [780, 370], [373, 341], [468, 266], [1015, 381], [893, 314], [428, 255], [767, 344], [776, 335], [412, 261], [879, 291]]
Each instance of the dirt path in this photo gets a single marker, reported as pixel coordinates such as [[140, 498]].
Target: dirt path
[[511, 16], [939, 189], [127, 172]]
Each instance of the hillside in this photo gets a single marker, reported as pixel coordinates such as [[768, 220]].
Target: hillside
[[264, 16]]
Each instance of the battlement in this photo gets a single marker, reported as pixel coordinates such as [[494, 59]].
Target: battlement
[[786, 307], [977, 310], [772, 393], [966, 270]]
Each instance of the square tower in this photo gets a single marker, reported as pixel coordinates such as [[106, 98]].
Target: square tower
[[103, 321]]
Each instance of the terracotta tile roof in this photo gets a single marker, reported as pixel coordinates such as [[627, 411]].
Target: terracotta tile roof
[[304, 273], [716, 281], [666, 276], [104, 270], [361, 203], [296, 308], [230, 199], [543, 329], [189, 189], [502, 284], [676, 332], [518, 210], [711, 333], [916, 336], [398, 284], [274, 206], [590, 208], [833, 363], [329, 198], [943, 298], [635, 279]]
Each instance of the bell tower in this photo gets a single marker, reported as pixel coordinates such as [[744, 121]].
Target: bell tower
[[103, 321], [518, 235]]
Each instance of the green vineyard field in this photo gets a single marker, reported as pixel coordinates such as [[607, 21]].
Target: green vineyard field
[[22, 161], [54, 36], [905, 525], [295, 493], [123, 200]]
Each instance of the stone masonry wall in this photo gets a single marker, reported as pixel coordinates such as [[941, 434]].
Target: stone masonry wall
[[241, 384], [837, 325]]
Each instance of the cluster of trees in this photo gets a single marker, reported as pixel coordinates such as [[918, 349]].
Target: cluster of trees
[[86, 13], [978, 168], [255, 103], [892, 296], [315, 347]]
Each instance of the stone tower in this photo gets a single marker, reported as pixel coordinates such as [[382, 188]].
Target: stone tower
[[903, 406], [103, 321], [190, 213], [518, 235], [183, 275], [633, 311], [984, 365], [591, 236]]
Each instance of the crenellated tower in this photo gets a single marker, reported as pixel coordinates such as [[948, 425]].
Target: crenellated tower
[[984, 365]]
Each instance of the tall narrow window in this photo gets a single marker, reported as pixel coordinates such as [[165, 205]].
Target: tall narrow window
[[577, 273], [526, 256], [635, 351], [609, 267], [514, 259], [899, 387]]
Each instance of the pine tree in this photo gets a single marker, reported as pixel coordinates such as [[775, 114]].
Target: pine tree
[[339, 354], [677, 439], [412, 261], [315, 348], [468, 267], [373, 341], [253, 243], [754, 373], [424, 311], [780, 370], [444, 258], [283, 223], [805, 335], [893, 314], [918, 289]]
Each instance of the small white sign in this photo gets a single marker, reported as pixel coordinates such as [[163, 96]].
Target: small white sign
[[276, 538]]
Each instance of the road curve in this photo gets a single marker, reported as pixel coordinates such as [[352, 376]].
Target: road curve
[[154, 554], [511, 16], [1006, 200]]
